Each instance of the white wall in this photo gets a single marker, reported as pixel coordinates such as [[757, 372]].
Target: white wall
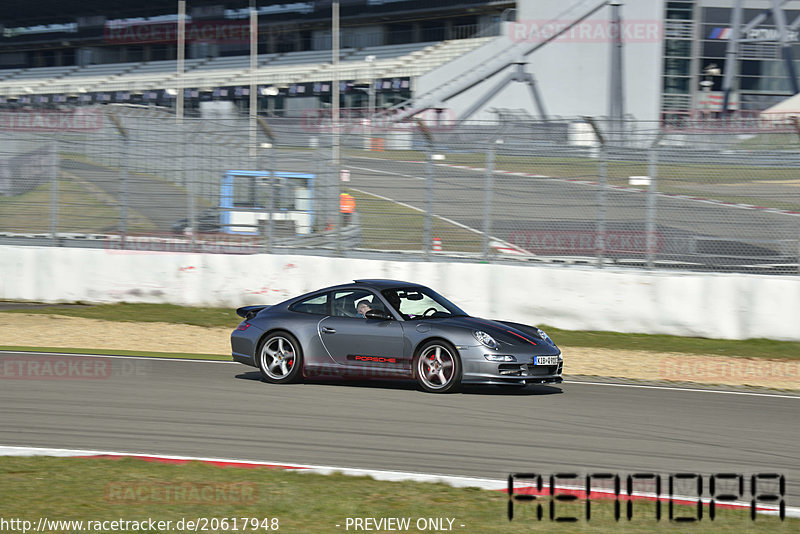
[[729, 306], [572, 74]]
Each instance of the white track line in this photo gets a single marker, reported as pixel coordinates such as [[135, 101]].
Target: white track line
[[591, 183], [671, 388], [445, 219]]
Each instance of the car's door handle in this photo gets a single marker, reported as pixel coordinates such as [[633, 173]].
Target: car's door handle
[[328, 330]]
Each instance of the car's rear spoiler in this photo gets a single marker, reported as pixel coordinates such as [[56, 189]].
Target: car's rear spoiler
[[248, 312]]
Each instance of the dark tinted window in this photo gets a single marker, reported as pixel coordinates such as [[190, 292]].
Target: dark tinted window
[[318, 304], [347, 301]]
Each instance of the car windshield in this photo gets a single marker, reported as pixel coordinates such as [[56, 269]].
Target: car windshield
[[421, 303]]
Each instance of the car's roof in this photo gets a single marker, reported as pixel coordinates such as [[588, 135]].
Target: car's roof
[[375, 284], [379, 283]]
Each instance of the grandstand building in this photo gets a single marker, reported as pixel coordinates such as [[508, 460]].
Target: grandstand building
[[101, 52], [447, 54]]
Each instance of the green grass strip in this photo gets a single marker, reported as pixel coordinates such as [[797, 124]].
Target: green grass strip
[[112, 352], [91, 489], [142, 313], [746, 348]]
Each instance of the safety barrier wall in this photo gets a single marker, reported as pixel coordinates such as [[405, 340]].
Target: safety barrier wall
[[729, 306]]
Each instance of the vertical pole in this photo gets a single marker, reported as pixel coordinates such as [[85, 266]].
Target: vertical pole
[[253, 84], [54, 194], [488, 191], [189, 180], [270, 222], [730, 56], [602, 193], [270, 145], [123, 132], [429, 178], [428, 203], [652, 158], [615, 93], [796, 123], [602, 207], [786, 45], [370, 101], [181, 56], [124, 200], [335, 118]]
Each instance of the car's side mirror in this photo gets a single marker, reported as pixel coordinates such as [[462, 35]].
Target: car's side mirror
[[378, 314]]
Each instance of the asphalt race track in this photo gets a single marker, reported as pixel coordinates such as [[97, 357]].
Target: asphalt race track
[[523, 204], [220, 409]]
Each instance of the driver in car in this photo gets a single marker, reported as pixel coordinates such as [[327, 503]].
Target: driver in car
[[363, 307]]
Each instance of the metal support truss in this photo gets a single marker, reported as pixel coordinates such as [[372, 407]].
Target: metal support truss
[[518, 74]]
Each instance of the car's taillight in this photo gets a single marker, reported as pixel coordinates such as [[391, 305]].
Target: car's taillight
[[244, 325]]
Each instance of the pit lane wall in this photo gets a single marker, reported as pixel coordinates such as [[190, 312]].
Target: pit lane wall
[[727, 306]]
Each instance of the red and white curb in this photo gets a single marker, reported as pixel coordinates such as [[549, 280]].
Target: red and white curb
[[392, 476]]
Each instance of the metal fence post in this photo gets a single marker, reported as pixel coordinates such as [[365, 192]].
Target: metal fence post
[[54, 193], [271, 220], [270, 146], [337, 157], [652, 163], [125, 155], [602, 206], [650, 225], [124, 179], [189, 181], [602, 194], [796, 123], [428, 203], [429, 177], [488, 191]]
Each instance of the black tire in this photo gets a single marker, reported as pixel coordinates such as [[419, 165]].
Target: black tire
[[280, 358], [437, 367]]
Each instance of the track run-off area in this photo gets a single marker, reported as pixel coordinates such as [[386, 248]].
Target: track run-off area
[[218, 409]]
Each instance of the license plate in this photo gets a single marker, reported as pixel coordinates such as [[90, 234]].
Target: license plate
[[545, 360]]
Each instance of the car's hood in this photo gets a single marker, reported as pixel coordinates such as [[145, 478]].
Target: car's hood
[[504, 332]]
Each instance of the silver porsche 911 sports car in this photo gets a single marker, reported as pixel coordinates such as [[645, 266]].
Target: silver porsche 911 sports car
[[390, 329]]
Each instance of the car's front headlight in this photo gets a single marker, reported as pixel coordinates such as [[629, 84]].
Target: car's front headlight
[[544, 336], [500, 357], [485, 339]]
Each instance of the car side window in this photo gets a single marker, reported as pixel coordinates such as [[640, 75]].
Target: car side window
[[354, 303], [417, 306], [317, 304]]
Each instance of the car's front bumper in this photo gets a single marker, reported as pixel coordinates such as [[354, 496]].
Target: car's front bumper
[[477, 370]]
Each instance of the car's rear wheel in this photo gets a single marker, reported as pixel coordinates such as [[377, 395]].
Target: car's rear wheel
[[437, 367], [280, 358]]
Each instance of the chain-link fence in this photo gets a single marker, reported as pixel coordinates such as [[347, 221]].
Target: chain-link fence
[[702, 196]]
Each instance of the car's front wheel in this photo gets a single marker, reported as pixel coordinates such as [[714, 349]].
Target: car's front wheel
[[280, 358], [437, 367]]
